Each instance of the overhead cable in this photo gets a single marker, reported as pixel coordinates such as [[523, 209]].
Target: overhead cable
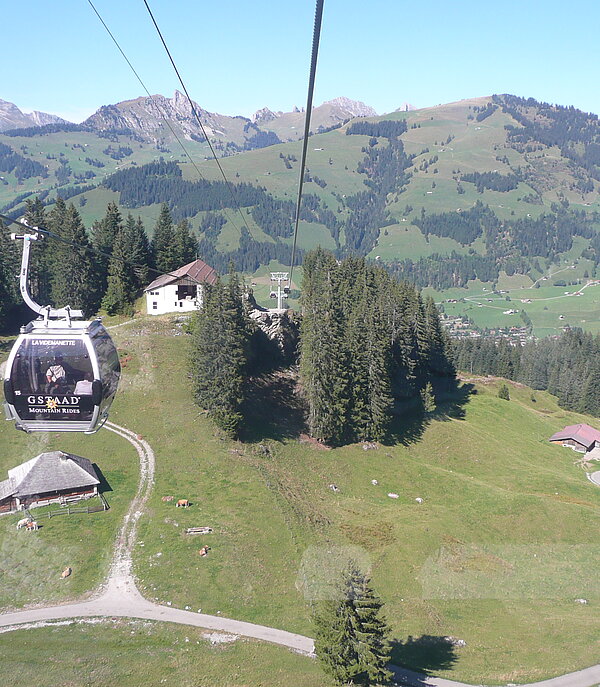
[[309, 101], [197, 116], [167, 122], [138, 77]]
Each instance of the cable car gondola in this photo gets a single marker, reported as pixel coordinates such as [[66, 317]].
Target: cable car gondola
[[61, 374]]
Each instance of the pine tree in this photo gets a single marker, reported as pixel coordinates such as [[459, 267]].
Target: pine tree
[[218, 356], [74, 278], [351, 637], [164, 249]]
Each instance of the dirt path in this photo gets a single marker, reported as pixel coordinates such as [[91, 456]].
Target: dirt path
[[119, 596]]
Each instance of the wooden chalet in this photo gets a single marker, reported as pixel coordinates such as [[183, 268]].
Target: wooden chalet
[[582, 438], [53, 477]]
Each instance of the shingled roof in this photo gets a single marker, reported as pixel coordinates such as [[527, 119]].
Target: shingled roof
[[49, 472], [197, 271], [582, 434]]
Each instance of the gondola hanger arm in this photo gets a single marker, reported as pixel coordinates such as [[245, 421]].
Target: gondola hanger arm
[[45, 310]]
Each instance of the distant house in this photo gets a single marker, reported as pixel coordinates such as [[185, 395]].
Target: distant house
[[582, 438], [181, 290], [50, 477]]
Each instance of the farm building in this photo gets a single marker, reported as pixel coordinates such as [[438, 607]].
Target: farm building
[[181, 290], [582, 438], [53, 477]]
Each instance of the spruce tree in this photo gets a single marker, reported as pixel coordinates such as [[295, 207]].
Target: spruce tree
[[121, 287], [428, 399], [185, 246], [590, 395], [104, 234], [351, 636], [323, 364], [39, 256], [380, 396], [139, 251], [74, 277], [164, 249], [218, 354], [9, 270]]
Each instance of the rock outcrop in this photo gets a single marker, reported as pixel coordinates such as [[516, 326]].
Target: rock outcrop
[[281, 327]]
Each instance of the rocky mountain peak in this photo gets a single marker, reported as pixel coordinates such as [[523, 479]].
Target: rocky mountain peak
[[264, 115], [11, 117], [405, 107], [354, 108]]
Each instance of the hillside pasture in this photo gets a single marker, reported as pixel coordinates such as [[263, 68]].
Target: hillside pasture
[[279, 528], [31, 562], [551, 308], [127, 653]]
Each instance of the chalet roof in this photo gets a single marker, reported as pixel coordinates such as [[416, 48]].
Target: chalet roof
[[582, 434], [197, 271], [52, 471]]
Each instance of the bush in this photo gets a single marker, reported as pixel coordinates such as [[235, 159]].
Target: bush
[[504, 393]]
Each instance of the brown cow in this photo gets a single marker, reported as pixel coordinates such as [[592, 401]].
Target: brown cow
[[66, 572], [182, 503], [32, 526]]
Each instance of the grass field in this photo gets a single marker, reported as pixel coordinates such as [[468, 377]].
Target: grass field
[[278, 527], [31, 563], [497, 553], [144, 654]]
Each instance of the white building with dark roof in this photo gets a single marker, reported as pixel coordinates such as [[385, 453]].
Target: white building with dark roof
[[181, 290], [50, 477]]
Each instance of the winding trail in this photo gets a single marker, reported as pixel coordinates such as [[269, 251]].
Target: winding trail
[[119, 597]]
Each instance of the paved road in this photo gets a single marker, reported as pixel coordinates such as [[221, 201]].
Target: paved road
[[119, 597]]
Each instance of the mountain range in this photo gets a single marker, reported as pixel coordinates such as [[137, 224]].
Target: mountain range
[[443, 195], [146, 116], [11, 117]]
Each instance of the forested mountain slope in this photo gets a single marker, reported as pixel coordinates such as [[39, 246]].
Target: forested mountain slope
[[443, 195]]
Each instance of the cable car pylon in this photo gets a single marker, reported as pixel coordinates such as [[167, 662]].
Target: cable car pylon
[[61, 374]]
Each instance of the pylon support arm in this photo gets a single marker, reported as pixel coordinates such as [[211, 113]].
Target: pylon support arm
[[44, 310]]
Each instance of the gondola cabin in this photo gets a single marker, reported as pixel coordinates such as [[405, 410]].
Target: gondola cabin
[[61, 377]]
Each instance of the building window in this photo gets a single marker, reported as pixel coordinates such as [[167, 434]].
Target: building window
[[154, 305]]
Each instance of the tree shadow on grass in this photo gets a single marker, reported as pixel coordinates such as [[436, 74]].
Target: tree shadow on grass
[[273, 408], [425, 654], [409, 421]]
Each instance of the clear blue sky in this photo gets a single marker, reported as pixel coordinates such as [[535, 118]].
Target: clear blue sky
[[237, 57]]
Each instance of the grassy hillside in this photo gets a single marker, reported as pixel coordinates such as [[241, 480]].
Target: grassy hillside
[[138, 653], [31, 563], [496, 555], [490, 497]]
